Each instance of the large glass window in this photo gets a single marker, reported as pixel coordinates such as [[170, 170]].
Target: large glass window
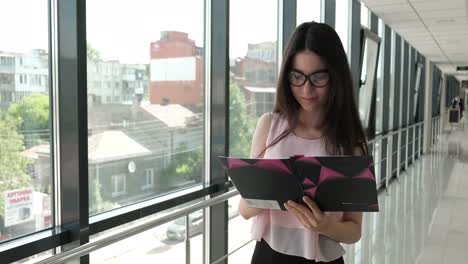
[[308, 10], [145, 99], [25, 142], [393, 84], [367, 80], [365, 16], [380, 83], [342, 22], [238, 239], [166, 243], [253, 52]]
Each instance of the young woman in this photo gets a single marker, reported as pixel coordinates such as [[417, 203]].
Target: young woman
[[314, 114]]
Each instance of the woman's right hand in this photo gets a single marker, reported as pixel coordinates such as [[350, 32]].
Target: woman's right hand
[[246, 211]]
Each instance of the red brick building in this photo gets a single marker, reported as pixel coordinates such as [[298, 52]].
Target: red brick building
[[176, 70]]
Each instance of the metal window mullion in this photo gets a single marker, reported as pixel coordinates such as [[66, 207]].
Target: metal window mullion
[[355, 44], [328, 12], [385, 95], [72, 107], [287, 16], [207, 134], [414, 144], [54, 102], [216, 244]]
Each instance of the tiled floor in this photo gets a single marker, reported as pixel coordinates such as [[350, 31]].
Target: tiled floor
[[424, 217]]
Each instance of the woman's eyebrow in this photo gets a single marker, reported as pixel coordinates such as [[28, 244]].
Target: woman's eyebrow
[[317, 71]]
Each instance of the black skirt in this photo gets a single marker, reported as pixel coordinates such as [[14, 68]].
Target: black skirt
[[264, 254]]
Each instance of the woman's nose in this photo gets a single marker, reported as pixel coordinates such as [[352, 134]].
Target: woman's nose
[[308, 86]]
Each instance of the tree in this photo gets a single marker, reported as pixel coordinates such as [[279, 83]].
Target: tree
[[241, 124], [92, 53], [32, 112], [13, 166], [189, 165], [186, 165], [96, 203]]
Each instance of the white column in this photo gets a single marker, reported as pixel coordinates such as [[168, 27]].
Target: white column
[[428, 106]]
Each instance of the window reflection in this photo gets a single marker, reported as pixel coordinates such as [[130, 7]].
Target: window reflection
[[145, 100], [253, 68], [25, 141]]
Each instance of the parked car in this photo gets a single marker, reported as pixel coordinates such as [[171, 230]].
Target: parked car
[[176, 231]]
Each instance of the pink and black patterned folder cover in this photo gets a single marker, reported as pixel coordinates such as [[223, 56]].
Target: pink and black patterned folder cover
[[335, 183]]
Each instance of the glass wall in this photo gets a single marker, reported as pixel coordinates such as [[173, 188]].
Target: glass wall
[[391, 105], [26, 185], [146, 121], [253, 68], [146, 92], [167, 243], [380, 83], [365, 16], [342, 22], [308, 10]]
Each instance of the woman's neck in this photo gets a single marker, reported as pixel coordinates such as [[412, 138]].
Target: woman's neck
[[311, 120]]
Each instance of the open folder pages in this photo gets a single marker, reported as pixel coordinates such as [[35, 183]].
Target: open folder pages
[[334, 183]]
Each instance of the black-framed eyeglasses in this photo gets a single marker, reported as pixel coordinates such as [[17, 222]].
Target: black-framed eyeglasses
[[317, 79]]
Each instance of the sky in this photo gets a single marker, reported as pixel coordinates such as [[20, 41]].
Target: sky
[[123, 29]]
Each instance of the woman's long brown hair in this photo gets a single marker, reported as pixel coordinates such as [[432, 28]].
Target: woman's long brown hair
[[342, 128]]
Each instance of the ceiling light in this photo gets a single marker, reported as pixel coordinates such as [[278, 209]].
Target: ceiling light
[[445, 21]]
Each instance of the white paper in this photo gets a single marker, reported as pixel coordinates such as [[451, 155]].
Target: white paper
[[268, 204]]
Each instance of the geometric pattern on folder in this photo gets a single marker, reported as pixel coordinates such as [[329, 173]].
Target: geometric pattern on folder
[[310, 182], [271, 165]]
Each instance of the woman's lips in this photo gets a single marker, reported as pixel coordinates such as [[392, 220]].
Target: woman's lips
[[309, 98]]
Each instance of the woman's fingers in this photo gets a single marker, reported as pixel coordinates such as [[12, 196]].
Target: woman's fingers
[[302, 218], [303, 213], [313, 206], [299, 216]]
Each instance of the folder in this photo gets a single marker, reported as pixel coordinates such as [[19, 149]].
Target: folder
[[334, 183]]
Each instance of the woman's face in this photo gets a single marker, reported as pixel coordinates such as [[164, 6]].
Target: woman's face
[[309, 81]]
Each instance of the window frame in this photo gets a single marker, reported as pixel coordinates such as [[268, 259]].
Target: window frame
[[116, 180]]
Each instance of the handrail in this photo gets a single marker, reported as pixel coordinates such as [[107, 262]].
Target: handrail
[[389, 133], [135, 230]]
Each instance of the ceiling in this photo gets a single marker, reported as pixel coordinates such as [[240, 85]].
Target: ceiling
[[436, 28]]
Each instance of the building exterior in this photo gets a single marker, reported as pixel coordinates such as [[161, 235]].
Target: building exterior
[[130, 148], [264, 51], [111, 82], [176, 70], [260, 100], [22, 75], [256, 75]]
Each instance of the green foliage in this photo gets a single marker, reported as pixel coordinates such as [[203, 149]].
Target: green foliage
[[13, 166], [186, 165], [241, 124], [92, 53], [96, 203], [31, 113], [189, 165]]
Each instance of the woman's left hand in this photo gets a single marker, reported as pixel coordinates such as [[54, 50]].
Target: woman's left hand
[[311, 216]]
